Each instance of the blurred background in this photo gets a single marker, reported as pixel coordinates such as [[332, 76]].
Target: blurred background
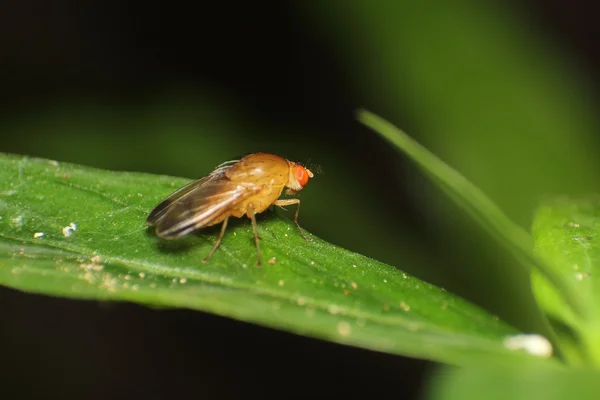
[[505, 92]]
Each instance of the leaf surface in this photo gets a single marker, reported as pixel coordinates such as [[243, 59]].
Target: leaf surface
[[566, 232], [79, 232]]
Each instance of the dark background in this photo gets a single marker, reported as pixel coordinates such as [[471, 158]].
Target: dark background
[[130, 86]]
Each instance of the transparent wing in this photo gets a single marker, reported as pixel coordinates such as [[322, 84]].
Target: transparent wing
[[195, 207], [164, 206], [191, 189]]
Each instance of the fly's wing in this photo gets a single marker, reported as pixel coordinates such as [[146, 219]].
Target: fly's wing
[[188, 190], [164, 206], [196, 207]]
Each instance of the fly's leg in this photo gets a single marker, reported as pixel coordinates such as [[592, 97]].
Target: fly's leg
[[252, 216], [223, 227], [289, 202]]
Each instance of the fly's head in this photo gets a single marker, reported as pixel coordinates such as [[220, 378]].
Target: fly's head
[[298, 178]]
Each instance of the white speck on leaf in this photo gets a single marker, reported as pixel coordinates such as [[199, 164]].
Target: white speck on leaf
[[95, 259], [581, 276], [333, 309], [344, 328], [68, 231], [17, 222], [89, 276], [109, 283], [91, 267], [533, 344], [38, 234]]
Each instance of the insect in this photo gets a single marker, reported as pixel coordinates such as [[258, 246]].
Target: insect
[[235, 188]]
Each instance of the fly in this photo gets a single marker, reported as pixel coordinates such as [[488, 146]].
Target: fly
[[236, 188]]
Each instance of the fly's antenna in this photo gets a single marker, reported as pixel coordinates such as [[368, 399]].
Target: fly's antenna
[[316, 169]]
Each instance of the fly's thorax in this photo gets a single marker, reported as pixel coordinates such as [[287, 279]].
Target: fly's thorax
[[260, 201], [260, 169]]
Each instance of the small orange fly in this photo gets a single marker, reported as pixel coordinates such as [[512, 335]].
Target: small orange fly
[[235, 188]]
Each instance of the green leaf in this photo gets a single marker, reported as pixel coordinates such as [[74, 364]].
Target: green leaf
[[520, 382], [476, 203], [79, 232], [566, 231]]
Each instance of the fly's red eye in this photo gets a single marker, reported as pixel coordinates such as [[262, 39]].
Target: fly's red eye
[[301, 175]]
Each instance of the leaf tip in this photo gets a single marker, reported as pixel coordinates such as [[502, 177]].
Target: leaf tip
[[362, 114]]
